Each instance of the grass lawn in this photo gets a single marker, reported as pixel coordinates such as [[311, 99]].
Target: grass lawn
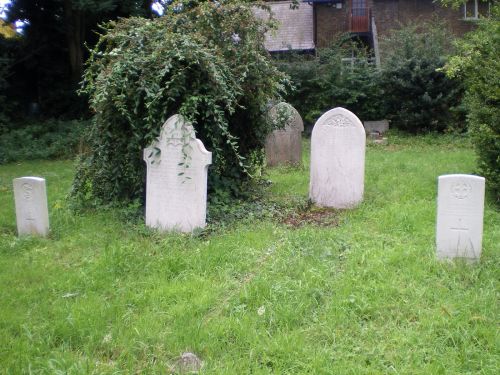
[[106, 296]]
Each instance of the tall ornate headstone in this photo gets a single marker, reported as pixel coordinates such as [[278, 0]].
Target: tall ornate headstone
[[176, 185], [337, 160], [284, 146], [32, 213], [460, 209]]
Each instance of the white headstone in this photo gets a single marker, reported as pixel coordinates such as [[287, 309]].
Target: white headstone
[[176, 185], [460, 210], [284, 146], [337, 160], [32, 213]]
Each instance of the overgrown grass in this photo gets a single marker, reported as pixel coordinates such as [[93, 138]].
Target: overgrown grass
[[105, 296]]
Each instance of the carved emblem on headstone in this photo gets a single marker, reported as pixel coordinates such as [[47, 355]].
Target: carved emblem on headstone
[[461, 190], [340, 121]]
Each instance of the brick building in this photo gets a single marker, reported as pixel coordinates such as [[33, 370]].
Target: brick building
[[317, 22]]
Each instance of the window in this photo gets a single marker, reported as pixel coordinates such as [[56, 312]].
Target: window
[[473, 9]]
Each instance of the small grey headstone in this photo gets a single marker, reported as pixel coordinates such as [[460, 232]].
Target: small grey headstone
[[460, 210], [284, 146], [377, 127], [32, 214], [176, 185], [337, 160]]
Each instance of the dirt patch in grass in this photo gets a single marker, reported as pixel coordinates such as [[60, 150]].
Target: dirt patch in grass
[[324, 217]]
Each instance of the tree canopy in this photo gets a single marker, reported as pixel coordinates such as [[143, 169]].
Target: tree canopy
[[48, 66]]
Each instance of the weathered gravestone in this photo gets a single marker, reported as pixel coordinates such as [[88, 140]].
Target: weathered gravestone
[[337, 160], [32, 213], [176, 185], [284, 146], [376, 127], [460, 208]]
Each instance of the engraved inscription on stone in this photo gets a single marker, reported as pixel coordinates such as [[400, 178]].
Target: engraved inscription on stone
[[284, 146], [340, 121], [32, 213], [459, 225], [337, 160], [28, 191], [176, 184]]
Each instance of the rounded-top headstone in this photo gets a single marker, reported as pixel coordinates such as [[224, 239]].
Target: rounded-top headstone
[[338, 144], [284, 146]]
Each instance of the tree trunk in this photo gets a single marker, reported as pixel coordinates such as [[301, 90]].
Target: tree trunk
[[146, 7], [75, 30]]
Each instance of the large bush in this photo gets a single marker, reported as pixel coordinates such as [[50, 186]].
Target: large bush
[[203, 60], [417, 95], [326, 80], [478, 65]]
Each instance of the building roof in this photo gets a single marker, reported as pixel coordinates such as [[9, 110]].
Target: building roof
[[296, 26]]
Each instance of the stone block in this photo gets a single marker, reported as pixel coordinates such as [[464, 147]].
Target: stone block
[[32, 213]]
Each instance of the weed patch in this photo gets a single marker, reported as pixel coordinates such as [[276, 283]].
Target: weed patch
[[323, 217]]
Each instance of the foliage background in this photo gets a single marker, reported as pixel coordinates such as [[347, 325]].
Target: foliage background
[[48, 139], [409, 89], [477, 64], [418, 96], [52, 49], [323, 81]]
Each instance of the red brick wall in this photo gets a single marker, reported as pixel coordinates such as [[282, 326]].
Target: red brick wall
[[330, 22], [389, 14]]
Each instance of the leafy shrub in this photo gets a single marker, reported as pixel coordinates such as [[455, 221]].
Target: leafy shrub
[[324, 81], [417, 95], [478, 65], [204, 60], [46, 140]]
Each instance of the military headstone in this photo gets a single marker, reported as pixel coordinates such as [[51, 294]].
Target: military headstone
[[338, 144], [32, 213], [284, 146], [176, 185], [460, 209]]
